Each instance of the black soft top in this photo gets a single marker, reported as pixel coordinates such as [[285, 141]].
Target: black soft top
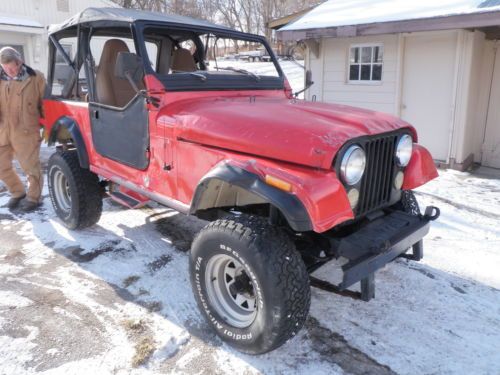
[[115, 16]]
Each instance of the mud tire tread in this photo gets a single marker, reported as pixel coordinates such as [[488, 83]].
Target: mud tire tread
[[87, 196], [291, 276]]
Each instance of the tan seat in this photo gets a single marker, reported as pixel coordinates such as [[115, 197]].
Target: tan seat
[[110, 89], [182, 61]]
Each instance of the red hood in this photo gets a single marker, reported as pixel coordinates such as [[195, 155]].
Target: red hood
[[294, 131]]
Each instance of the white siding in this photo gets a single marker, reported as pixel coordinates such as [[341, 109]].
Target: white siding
[[446, 85], [337, 89], [491, 148], [429, 87], [470, 127], [487, 62], [48, 12], [45, 12], [315, 64]]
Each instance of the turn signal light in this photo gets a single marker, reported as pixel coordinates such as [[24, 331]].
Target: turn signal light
[[277, 183]]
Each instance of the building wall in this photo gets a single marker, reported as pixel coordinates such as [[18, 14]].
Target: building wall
[[333, 60], [45, 12], [428, 87], [48, 12], [485, 57], [468, 72]]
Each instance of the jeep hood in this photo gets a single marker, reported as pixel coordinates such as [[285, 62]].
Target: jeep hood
[[298, 132]]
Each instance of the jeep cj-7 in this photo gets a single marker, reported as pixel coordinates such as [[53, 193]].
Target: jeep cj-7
[[150, 107]]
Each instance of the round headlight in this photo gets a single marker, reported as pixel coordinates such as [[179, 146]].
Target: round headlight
[[404, 150], [353, 165]]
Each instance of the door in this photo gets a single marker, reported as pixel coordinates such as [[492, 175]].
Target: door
[[491, 146], [427, 95], [122, 134], [118, 115]]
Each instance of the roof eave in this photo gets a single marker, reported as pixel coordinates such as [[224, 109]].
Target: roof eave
[[462, 21]]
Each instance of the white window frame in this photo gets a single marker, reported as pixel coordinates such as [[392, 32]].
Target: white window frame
[[359, 81]]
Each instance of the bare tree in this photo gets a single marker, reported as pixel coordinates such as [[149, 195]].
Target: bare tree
[[246, 15]]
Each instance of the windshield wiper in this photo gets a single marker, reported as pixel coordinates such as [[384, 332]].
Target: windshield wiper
[[202, 77], [242, 71]]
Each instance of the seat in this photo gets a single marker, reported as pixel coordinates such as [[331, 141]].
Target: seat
[[112, 90], [182, 61]]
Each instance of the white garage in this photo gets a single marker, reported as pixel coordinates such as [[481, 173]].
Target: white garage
[[435, 64], [23, 25]]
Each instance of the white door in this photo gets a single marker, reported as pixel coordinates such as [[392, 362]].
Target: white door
[[491, 147], [427, 95]]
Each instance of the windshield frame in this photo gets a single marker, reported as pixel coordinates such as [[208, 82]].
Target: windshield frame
[[215, 82]]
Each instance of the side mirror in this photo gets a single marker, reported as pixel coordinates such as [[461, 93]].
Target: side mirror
[[129, 66], [309, 81]]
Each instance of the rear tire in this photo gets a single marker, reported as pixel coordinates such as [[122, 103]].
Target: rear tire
[[74, 191], [250, 283]]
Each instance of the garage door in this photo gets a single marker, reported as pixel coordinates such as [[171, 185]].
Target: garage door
[[427, 96], [491, 147]]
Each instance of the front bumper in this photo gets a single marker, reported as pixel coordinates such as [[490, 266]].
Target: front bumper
[[376, 244]]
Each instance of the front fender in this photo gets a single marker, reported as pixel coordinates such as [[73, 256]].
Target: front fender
[[288, 204], [318, 200], [420, 170]]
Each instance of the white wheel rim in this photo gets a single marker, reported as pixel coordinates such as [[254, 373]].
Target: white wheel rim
[[62, 193], [231, 291]]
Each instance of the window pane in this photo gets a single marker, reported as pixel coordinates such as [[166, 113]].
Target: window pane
[[62, 71], [366, 54], [152, 54], [354, 73], [355, 55], [59, 56], [365, 72], [377, 72], [378, 54], [97, 44]]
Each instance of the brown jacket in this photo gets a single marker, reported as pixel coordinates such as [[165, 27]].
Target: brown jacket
[[21, 106]]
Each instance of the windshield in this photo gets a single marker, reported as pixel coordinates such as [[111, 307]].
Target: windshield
[[185, 60]]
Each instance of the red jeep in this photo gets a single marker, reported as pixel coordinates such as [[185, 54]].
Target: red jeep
[[146, 107]]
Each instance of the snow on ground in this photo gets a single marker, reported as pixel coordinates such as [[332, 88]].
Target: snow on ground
[[81, 302], [441, 315], [116, 298]]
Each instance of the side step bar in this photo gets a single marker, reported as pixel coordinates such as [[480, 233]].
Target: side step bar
[[127, 197]]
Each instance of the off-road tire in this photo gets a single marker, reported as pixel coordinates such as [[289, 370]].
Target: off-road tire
[[278, 277], [75, 192]]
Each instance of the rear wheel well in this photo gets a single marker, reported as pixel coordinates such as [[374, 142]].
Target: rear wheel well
[[66, 132]]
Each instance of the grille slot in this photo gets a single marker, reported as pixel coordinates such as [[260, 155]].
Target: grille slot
[[375, 190]]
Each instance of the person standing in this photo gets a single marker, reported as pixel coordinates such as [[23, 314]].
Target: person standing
[[21, 94]]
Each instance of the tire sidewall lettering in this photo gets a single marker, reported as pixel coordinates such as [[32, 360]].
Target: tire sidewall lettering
[[244, 334]]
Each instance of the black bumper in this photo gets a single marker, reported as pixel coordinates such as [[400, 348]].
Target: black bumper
[[376, 244]]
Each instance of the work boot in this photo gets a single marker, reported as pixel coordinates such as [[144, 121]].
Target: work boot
[[26, 205], [14, 201]]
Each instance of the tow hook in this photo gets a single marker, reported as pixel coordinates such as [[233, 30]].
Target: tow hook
[[432, 213]]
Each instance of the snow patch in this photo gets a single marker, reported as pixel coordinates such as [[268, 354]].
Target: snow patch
[[10, 299]]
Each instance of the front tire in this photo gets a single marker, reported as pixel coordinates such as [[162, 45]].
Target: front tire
[[250, 283], [409, 203], [74, 191]]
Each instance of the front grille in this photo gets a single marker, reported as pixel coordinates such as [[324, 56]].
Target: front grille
[[376, 185]]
